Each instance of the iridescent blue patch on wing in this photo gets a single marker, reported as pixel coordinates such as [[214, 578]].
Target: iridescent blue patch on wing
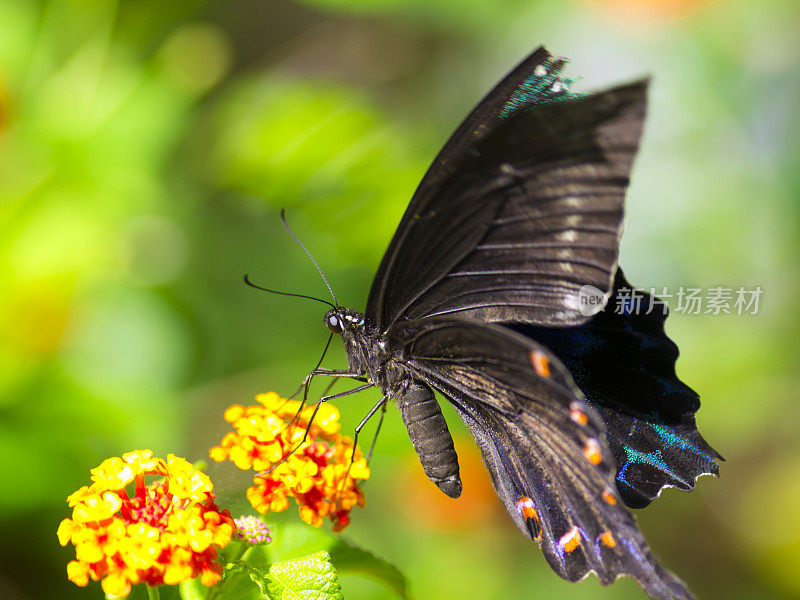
[[674, 448], [653, 458], [673, 440], [544, 86], [625, 365]]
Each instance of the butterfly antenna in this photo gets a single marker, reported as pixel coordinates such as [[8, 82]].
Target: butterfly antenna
[[263, 289], [299, 243]]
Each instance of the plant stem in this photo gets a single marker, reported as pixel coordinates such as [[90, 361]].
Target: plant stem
[[243, 550], [153, 593]]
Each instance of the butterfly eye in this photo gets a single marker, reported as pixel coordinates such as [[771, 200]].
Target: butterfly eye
[[334, 324]]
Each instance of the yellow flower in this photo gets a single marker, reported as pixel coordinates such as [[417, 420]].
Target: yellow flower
[[318, 473], [165, 532]]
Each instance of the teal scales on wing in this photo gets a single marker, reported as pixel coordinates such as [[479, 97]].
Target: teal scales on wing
[[624, 363], [545, 85]]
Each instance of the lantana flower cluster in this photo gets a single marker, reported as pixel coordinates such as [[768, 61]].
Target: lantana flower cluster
[[252, 530], [318, 473], [167, 532]]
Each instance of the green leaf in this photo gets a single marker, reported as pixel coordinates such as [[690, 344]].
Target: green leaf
[[293, 539], [138, 592], [142, 592], [310, 578], [352, 559], [256, 576], [193, 589], [238, 579]]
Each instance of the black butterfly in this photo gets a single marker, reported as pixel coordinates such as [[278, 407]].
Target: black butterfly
[[479, 297]]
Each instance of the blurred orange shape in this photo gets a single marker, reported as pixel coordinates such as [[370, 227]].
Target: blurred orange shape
[[423, 502], [649, 9]]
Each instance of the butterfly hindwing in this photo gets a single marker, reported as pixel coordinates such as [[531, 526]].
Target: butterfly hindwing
[[530, 214], [624, 363], [544, 447]]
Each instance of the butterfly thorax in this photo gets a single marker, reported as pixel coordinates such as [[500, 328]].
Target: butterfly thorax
[[365, 348]]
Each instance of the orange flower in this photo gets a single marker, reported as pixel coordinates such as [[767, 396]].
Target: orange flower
[[167, 532], [318, 474]]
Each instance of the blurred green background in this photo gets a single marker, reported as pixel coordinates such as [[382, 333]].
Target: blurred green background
[[146, 148]]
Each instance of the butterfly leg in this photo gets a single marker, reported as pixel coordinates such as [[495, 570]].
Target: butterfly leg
[[355, 390], [302, 405], [317, 366], [328, 373], [332, 373], [380, 404], [319, 403], [306, 384], [377, 431]]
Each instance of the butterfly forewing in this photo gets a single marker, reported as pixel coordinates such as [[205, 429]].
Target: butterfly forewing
[[528, 84], [543, 446], [527, 217]]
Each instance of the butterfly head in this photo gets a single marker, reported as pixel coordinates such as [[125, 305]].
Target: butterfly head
[[339, 319]]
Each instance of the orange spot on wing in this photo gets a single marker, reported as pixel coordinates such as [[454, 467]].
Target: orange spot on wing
[[527, 509], [592, 451], [607, 539], [570, 540], [609, 497], [577, 415], [540, 362]]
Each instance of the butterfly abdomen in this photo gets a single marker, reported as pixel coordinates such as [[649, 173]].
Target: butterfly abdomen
[[428, 431], [367, 354]]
